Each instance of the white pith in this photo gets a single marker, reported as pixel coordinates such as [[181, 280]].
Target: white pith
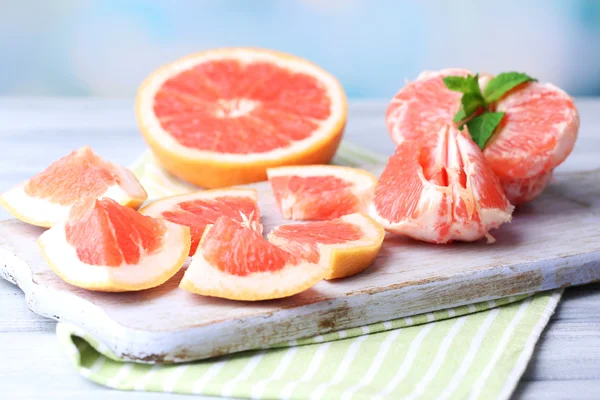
[[63, 258], [157, 79], [210, 280], [43, 210], [371, 235]]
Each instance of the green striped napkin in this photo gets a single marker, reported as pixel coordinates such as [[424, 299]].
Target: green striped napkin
[[477, 351]]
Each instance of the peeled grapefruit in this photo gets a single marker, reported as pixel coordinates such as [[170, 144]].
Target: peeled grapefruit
[[222, 117], [235, 262], [538, 131], [47, 197], [346, 245], [439, 190], [199, 209], [321, 192], [104, 246]]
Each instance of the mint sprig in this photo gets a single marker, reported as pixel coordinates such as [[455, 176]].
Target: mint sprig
[[474, 111]]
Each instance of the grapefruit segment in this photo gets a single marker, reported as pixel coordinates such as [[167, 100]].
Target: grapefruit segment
[[440, 191], [235, 262], [537, 133], [222, 117], [321, 192], [346, 245], [199, 209], [47, 197], [104, 246]]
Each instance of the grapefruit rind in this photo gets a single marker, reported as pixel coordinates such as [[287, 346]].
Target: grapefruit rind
[[227, 169], [348, 258], [207, 280], [363, 185], [153, 270], [157, 207]]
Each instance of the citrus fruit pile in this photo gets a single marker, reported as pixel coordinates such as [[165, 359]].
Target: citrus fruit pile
[[98, 240]]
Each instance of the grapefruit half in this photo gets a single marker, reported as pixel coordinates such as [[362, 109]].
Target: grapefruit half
[[235, 262], [440, 190], [47, 197], [537, 133], [222, 117], [104, 246], [346, 245], [321, 192], [199, 209]]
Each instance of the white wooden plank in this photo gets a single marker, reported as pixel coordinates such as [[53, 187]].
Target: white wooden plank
[[580, 390]]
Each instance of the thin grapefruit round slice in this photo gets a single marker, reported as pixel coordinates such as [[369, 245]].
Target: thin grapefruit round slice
[[47, 197], [199, 209], [321, 192], [440, 191], [222, 117], [346, 245], [104, 246], [537, 133], [235, 262]]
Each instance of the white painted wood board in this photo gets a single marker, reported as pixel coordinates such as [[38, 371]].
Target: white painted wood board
[[552, 242]]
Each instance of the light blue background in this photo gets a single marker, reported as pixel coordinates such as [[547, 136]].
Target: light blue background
[[106, 48]]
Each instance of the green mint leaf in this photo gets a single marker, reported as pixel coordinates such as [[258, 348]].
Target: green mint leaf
[[471, 103], [482, 127], [456, 83], [502, 83], [460, 115]]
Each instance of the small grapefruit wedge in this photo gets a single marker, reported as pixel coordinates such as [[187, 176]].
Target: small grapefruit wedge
[[346, 245], [321, 192], [538, 131], [199, 209], [440, 191], [47, 197], [235, 262], [104, 246], [222, 117]]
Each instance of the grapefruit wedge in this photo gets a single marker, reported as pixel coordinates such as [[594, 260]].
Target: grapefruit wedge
[[47, 197], [346, 245], [537, 134], [440, 190], [235, 262], [222, 117], [199, 209], [321, 192], [104, 246]]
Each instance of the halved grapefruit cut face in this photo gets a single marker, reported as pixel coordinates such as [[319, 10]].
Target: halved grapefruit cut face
[[104, 246], [199, 209], [47, 197], [222, 117], [440, 191], [537, 133], [346, 245], [235, 262], [321, 192]]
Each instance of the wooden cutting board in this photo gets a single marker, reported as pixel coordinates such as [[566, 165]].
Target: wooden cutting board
[[552, 242]]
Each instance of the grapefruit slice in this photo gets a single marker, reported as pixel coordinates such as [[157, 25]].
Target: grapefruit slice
[[199, 209], [440, 191], [222, 117], [321, 192], [104, 246], [537, 134], [235, 262], [47, 197], [346, 245]]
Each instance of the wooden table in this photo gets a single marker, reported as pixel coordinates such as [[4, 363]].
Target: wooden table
[[34, 132]]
